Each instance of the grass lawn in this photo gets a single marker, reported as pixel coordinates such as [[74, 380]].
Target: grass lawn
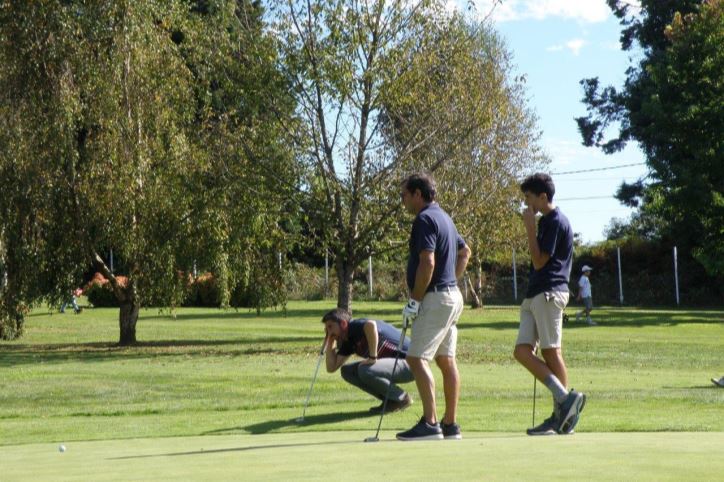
[[232, 383]]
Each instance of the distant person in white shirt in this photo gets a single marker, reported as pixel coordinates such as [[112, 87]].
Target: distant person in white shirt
[[584, 294]]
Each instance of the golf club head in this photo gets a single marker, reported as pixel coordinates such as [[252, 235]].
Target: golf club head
[[299, 420], [372, 439]]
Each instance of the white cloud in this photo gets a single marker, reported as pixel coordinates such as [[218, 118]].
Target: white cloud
[[590, 11], [575, 45]]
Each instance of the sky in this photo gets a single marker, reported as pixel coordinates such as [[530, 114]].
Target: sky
[[556, 43]]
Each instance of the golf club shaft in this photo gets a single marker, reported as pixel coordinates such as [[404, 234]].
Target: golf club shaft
[[535, 386], [314, 378], [394, 369]]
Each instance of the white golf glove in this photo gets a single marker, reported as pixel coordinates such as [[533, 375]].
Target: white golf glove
[[410, 312]]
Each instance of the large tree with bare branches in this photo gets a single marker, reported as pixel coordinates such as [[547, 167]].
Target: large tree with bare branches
[[385, 88]]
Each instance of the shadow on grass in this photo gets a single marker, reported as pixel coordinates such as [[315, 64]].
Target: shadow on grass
[[235, 449], [273, 425], [20, 354], [623, 318]]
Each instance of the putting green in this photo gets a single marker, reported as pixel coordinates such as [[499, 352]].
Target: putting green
[[326, 455]]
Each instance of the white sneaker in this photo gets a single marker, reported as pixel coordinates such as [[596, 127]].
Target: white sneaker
[[590, 322], [719, 382], [578, 316]]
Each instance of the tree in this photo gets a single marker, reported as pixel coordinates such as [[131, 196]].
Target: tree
[[386, 88], [671, 104], [112, 138]]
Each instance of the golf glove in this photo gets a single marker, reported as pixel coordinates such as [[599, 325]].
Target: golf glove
[[410, 312]]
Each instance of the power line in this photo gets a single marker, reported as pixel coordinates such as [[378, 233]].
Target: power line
[[598, 169], [584, 198]]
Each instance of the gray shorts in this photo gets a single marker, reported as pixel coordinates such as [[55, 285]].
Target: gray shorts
[[541, 319], [588, 303], [434, 331]]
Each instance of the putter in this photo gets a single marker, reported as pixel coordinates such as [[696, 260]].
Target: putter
[[535, 381], [314, 378], [387, 395]]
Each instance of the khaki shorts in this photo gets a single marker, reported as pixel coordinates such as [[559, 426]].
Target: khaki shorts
[[541, 319], [434, 332]]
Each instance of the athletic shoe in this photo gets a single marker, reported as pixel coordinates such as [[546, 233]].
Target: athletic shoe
[[590, 322], [719, 382], [451, 431], [422, 431], [548, 427], [393, 405], [569, 411], [578, 316]]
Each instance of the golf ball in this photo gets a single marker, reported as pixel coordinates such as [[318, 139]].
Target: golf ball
[[61, 448]]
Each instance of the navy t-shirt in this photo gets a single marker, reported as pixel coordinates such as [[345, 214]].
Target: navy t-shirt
[[555, 237], [433, 230], [387, 339]]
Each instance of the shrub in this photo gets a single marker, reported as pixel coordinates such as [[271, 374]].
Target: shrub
[[100, 293]]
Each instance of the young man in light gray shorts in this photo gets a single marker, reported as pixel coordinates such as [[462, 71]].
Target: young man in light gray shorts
[[541, 314]]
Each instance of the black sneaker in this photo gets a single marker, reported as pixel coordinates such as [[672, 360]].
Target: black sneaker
[[393, 405], [548, 427], [422, 431], [569, 411], [451, 431]]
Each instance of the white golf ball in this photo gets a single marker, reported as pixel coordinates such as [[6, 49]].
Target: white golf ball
[[61, 448]]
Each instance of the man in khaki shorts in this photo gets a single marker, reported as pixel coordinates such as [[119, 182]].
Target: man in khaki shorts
[[438, 256], [541, 314]]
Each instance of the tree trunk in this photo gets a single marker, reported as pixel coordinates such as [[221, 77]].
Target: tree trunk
[[128, 316], [475, 300], [345, 275]]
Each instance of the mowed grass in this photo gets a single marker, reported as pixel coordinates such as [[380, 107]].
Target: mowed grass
[[235, 382]]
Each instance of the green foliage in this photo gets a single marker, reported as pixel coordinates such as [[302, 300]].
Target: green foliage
[[141, 127], [101, 295], [387, 88], [671, 105]]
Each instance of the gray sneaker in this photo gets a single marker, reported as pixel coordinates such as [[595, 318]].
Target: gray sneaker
[[451, 431], [548, 427], [718, 382], [422, 431], [569, 411], [393, 405]]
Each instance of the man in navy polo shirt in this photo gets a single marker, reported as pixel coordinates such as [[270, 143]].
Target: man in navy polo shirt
[[541, 314], [438, 256], [376, 342]]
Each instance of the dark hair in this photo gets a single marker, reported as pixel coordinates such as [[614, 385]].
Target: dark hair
[[338, 315], [539, 183], [424, 183]]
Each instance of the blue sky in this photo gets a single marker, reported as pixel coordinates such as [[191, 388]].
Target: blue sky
[[556, 43]]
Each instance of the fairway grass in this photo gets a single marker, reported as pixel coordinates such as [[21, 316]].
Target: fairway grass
[[334, 455], [232, 383]]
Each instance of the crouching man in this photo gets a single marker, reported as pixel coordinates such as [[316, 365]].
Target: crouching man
[[376, 342]]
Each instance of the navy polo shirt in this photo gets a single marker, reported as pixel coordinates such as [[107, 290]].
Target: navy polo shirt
[[433, 230], [387, 339], [555, 237]]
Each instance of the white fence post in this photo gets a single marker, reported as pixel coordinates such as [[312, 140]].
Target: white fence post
[[326, 272], [676, 275], [620, 284], [369, 280], [515, 278]]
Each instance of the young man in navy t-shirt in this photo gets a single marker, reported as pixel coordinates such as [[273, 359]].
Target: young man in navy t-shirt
[[541, 314], [376, 342]]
